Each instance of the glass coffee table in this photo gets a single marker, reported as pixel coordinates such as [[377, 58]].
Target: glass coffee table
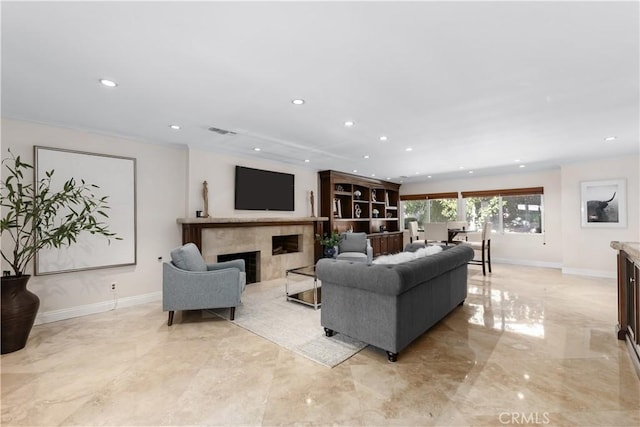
[[311, 295]]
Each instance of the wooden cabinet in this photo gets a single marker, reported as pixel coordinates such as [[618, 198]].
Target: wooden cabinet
[[386, 243], [359, 204], [629, 304]]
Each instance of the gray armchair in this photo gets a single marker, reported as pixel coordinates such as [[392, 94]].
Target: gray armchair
[[355, 247], [188, 283]]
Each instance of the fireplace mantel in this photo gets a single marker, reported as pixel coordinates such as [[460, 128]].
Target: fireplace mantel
[[192, 227], [249, 222]]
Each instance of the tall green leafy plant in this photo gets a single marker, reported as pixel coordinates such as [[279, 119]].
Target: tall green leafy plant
[[37, 217]]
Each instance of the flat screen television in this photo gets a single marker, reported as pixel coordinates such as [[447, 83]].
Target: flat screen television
[[262, 190]]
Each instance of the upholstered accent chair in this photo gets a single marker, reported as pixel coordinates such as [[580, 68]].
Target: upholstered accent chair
[[188, 283], [355, 247], [484, 246]]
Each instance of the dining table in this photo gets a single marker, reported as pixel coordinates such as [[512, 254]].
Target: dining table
[[453, 232]]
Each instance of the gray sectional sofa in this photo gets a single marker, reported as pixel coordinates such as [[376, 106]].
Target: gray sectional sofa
[[389, 306]]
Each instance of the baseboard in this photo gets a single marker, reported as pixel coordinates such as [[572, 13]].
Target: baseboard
[[593, 273], [573, 271], [99, 307], [530, 263]]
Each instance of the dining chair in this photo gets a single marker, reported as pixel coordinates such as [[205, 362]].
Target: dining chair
[[484, 246], [413, 231], [436, 232]]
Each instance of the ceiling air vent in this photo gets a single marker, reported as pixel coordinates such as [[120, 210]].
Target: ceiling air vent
[[221, 131]]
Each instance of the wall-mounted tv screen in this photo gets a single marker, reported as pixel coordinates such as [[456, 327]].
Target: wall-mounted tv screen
[[261, 190]]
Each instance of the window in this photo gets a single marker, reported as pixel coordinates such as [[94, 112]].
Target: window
[[479, 210], [435, 207], [522, 214], [415, 210], [517, 210]]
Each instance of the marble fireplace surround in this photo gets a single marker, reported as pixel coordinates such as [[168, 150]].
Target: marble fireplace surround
[[221, 236]]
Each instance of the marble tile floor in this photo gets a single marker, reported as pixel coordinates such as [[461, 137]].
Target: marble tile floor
[[530, 346]]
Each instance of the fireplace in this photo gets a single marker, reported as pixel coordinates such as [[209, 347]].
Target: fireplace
[[285, 244], [221, 236], [251, 264]]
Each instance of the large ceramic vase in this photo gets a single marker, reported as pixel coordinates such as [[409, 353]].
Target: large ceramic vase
[[19, 309]]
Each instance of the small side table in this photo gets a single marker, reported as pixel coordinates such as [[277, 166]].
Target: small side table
[[311, 297]]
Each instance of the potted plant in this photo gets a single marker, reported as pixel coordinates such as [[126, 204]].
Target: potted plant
[[35, 217], [329, 242]]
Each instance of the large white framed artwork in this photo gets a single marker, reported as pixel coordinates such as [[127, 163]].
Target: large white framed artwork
[[604, 204], [116, 178]]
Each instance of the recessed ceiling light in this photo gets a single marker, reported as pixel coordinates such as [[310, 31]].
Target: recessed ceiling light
[[428, 176], [470, 171], [297, 101], [388, 178], [108, 83], [517, 160], [408, 149], [355, 171], [522, 166], [175, 127], [366, 156], [461, 168], [611, 138], [349, 123], [307, 160], [383, 138], [257, 149]]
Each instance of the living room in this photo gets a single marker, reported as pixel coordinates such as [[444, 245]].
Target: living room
[[169, 177]]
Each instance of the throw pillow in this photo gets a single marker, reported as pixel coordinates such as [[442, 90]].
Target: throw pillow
[[188, 257]]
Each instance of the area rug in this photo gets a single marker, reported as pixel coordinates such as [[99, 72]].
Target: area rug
[[294, 326]]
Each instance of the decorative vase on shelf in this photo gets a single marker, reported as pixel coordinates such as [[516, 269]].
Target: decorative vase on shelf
[[357, 194], [358, 211]]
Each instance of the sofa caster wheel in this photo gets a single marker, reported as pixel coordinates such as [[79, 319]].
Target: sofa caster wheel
[[328, 332], [392, 356]]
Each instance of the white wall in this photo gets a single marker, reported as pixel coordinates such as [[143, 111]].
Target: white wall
[[169, 185], [540, 250], [219, 172], [161, 183], [564, 243], [586, 250]]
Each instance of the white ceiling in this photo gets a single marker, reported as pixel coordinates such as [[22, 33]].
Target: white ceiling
[[464, 84]]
